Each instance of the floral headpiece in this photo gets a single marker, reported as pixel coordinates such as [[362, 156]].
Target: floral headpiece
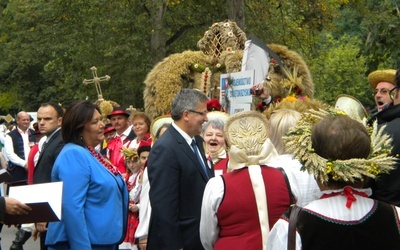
[[298, 142], [130, 154]]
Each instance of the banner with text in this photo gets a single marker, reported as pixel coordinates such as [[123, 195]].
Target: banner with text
[[235, 91]]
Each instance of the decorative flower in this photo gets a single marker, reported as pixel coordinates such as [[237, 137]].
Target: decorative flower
[[230, 34], [260, 107], [196, 66], [226, 24], [229, 49], [218, 65], [213, 105]]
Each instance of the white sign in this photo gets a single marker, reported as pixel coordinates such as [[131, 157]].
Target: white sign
[[235, 93]]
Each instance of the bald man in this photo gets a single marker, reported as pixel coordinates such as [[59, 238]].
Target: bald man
[[17, 145]]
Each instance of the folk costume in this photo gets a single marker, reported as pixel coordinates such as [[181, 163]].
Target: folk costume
[[219, 159], [346, 213], [241, 206], [119, 141], [131, 180]]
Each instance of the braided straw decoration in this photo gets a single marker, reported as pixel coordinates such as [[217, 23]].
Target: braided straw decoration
[[247, 130], [130, 154], [298, 142]]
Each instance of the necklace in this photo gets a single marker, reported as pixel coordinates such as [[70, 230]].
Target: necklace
[[104, 161], [348, 193]]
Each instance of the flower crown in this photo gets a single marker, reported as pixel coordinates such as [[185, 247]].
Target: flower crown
[[130, 154], [298, 142]]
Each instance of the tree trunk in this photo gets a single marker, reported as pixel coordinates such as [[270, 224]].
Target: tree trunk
[[158, 40], [236, 12]]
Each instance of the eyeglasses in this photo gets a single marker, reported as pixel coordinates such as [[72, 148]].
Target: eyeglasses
[[392, 93], [382, 91], [204, 114]]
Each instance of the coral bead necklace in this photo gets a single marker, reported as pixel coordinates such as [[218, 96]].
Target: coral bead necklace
[[104, 161]]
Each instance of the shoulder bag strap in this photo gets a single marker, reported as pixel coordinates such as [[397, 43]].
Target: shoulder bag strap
[[291, 196], [294, 213]]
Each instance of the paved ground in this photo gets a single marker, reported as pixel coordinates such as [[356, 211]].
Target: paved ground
[[8, 235]]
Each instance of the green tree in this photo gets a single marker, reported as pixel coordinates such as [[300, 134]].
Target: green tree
[[338, 69]]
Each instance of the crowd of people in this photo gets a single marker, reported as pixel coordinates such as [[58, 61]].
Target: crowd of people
[[300, 177]]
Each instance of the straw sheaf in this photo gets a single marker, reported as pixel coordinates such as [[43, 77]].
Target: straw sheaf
[[299, 105], [106, 107], [375, 77], [247, 130], [297, 69], [228, 34], [298, 142], [130, 154], [165, 80]]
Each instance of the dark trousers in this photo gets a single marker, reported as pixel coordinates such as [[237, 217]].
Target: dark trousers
[[42, 241]]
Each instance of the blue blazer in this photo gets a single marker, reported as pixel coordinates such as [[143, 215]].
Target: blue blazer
[[177, 182], [94, 202]]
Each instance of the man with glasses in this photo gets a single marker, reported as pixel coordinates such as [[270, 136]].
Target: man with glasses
[[382, 81], [387, 187], [178, 173]]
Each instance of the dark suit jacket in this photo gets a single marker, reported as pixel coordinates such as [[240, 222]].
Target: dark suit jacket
[[177, 182], [44, 166]]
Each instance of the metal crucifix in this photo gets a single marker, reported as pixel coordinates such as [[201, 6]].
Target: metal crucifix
[[97, 80]]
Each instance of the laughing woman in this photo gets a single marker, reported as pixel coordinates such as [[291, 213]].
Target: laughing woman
[[214, 141], [95, 196]]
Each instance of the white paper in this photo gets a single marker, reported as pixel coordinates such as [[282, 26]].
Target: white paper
[[46, 192]]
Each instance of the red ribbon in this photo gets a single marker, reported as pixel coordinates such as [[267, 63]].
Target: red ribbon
[[349, 193]]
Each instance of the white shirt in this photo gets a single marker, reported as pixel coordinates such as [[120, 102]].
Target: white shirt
[[304, 186], [9, 148], [144, 209], [332, 207]]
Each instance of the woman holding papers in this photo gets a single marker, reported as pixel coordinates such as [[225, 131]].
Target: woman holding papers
[[95, 196]]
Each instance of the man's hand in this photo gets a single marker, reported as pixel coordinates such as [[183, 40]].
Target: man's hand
[[41, 226], [14, 207], [143, 243], [133, 208], [26, 166], [262, 92]]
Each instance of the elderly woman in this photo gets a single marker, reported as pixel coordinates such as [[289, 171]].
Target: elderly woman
[[141, 126], [344, 217], [215, 146], [95, 196]]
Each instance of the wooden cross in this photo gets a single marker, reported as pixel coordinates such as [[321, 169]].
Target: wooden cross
[[97, 80], [130, 110]]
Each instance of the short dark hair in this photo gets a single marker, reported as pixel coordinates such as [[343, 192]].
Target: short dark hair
[[397, 78], [76, 116], [340, 138], [58, 108]]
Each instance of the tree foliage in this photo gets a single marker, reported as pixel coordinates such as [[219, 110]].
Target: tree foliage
[[48, 47]]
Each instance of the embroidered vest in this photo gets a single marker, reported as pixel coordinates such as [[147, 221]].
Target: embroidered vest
[[237, 214], [379, 229]]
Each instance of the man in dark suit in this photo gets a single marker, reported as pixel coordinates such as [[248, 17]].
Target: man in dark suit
[[178, 173], [49, 117]]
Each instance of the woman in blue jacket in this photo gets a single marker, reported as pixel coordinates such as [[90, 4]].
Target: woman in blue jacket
[[95, 197]]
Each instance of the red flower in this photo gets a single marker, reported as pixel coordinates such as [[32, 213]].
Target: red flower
[[298, 90], [213, 105], [260, 106]]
